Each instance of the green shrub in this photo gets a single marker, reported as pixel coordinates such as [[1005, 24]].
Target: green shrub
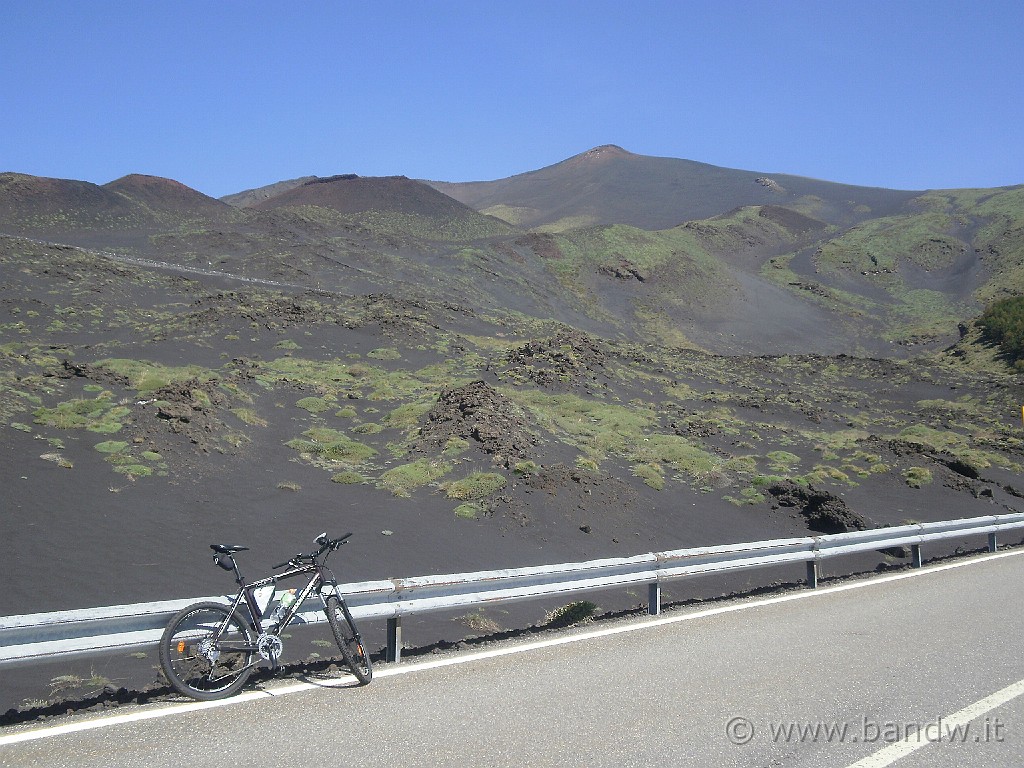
[[455, 446], [407, 416], [652, 475], [917, 476], [249, 416], [331, 445], [783, 460], [111, 446], [573, 613], [1003, 323], [401, 480], [476, 486], [348, 477], [470, 510], [134, 470], [314, 404]]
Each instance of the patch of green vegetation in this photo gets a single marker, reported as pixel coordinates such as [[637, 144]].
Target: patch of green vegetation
[[747, 497], [476, 486], [783, 461], [571, 614], [917, 477], [288, 485], [384, 353], [675, 451], [348, 477], [249, 416], [402, 480], [525, 468], [600, 429], [1003, 323], [287, 344], [508, 213], [934, 439], [111, 446], [882, 243], [347, 412], [408, 416], [466, 227], [760, 481], [329, 445], [455, 446], [315, 404], [478, 621], [822, 474], [59, 459], [145, 376], [134, 470], [470, 510], [100, 414], [652, 474], [778, 271], [368, 428], [596, 427], [85, 685]]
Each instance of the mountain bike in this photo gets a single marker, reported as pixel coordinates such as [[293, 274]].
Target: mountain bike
[[209, 649]]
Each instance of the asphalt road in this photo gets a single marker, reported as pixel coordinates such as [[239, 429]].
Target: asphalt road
[[829, 678]]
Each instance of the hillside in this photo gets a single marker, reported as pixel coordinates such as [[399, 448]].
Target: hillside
[[463, 393], [249, 197]]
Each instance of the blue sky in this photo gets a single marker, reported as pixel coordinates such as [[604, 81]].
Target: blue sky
[[227, 95]]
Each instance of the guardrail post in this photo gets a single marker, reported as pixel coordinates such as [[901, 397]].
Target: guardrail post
[[915, 556], [993, 542], [812, 574], [394, 649], [654, 598]]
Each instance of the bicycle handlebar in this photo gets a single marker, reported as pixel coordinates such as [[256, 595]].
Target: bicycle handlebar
[[325, 544]]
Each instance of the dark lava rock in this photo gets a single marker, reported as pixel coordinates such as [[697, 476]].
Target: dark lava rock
[[624, 270], [569, 358], [479, 413], [825, 512]]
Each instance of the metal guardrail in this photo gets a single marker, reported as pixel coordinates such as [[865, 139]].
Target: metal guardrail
[[48, 635]]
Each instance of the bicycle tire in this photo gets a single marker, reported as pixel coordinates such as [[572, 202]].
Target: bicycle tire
[[349, 642], [188, 642]]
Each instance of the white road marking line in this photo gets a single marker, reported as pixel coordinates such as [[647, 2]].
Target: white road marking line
[[412, 667], [948, 726]]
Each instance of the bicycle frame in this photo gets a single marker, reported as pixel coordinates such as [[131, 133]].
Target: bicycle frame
[[247, 595]]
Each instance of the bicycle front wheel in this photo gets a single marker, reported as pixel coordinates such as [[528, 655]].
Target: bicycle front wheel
[[347, 636], [207, 651]]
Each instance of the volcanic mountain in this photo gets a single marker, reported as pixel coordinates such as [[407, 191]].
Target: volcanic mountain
[[33, 201], [608, 185], [349, 193], [162, 195]]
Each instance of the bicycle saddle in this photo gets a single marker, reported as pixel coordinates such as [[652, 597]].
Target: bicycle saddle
[[227, 549]]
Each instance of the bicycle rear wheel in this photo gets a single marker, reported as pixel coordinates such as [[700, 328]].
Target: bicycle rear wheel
[[207, 651], [349, 642]]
